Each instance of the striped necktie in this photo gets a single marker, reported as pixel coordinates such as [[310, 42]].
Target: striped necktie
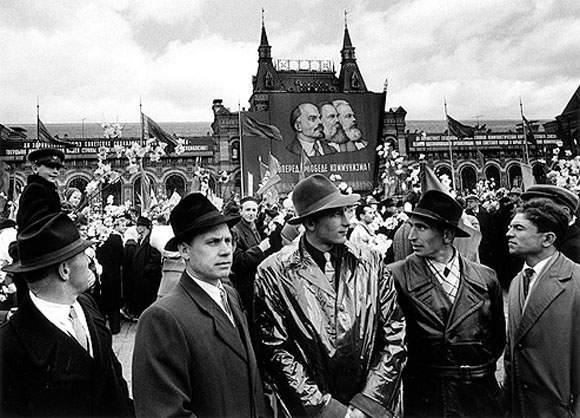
[[80, 334]]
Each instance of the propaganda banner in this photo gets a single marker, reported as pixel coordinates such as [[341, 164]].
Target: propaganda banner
[[303, 134]]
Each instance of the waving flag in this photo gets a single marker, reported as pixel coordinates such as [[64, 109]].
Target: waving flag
[[253, 127], [459, 129], [45, 136], [528, 132], [152, 129]]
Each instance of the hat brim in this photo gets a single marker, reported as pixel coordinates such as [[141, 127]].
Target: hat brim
[[547, 195], [339, 201], [425, 214], [49, 259], [230, 220]]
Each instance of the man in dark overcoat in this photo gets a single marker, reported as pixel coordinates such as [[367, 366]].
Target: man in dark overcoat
[[542, 356], [56, 355], [110, 256], [249, 252], [455, 320], [568, 201], [193, 354], [146, 269], [40, 195]]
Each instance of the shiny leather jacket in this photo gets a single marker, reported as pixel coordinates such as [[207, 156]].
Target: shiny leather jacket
[[322, 348]]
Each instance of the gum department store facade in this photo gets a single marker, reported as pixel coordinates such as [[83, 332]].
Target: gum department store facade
[[489, 154]]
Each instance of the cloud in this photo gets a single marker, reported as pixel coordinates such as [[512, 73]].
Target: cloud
[[94, 59]]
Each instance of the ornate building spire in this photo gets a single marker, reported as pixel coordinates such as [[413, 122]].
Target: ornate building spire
[[350, 76], [264, 50]]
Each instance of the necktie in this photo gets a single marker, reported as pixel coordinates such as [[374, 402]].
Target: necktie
[[317, 149], [80, 334], [225, 303], [329, 268], [527, 277]]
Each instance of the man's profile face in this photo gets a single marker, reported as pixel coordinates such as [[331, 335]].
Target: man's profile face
[[249, 211], [332, 228], [523, 237], [472, 204], [48, 172], [81, 276], [209, 254], [309, 123], [426, 240], [329, 117], [368, 216]]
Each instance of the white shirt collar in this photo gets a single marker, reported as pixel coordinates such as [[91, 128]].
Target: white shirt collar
[[58, 314], [214, 292]]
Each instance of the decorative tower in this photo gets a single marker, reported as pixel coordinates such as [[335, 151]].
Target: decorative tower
[[350, 77], [266, 78]]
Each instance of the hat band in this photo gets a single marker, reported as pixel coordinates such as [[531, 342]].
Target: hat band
[[47, 257], [320, 203]]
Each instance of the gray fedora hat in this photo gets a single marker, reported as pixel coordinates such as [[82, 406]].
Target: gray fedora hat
[[317, 193]]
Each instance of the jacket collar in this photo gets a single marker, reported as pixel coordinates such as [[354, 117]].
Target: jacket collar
[[223, 327], [547, 288], [46, 343]]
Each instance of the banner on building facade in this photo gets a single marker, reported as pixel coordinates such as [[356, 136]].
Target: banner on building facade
[[337, 133]]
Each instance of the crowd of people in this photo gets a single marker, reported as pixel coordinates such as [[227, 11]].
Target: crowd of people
[[327, 304]]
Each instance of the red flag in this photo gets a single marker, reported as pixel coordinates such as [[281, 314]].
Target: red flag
[[429, 180], [156, 131], [253, 127], [45, 136], [459, 129], [528, 132]]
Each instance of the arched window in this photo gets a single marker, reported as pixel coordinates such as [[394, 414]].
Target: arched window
[[515, 176], [468, 178], [175, 183], [235, 150], [492, 174], [137, 189], [111, 189], [444, 170], [78, 183]]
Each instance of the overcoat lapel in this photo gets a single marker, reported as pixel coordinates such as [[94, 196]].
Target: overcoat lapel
[[546, 290], [470, 296], [222, 324], [46, 344], [306, 268], [421, 287]]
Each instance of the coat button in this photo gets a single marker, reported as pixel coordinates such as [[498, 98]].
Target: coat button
[[341, 308]]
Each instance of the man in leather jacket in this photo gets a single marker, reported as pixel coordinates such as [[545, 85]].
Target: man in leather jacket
[[455, 320], [330, 330]]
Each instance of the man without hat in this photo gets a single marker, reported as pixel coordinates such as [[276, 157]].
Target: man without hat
[[542, 356], [455, 320], [40, 195], [331, 332], [56, 355], [250, 250], [193, 355], [568, 201]]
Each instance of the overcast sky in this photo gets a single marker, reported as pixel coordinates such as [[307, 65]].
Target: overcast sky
[[93, 59]]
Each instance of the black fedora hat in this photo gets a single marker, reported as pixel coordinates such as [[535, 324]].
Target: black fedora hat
[[46, 242], [47, 156], [194, 213], [439, 207], [317, 193]]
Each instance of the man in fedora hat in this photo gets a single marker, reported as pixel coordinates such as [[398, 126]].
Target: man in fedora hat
[[40, 195], [56, 355], [566, 200], [193, 355], [454, 313], [327, 319]]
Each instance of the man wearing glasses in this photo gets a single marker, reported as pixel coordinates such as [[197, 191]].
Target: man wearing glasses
[[328, 324]]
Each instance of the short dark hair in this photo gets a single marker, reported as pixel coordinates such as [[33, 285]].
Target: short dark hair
[[360, 209], [546, 216], [294, 115]]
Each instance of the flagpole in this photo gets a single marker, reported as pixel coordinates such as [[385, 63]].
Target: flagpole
[[240, 134], [524, 128], [37, 119], [450, 147]]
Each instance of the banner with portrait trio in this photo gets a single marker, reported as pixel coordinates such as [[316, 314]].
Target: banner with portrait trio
[[307, 133]]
